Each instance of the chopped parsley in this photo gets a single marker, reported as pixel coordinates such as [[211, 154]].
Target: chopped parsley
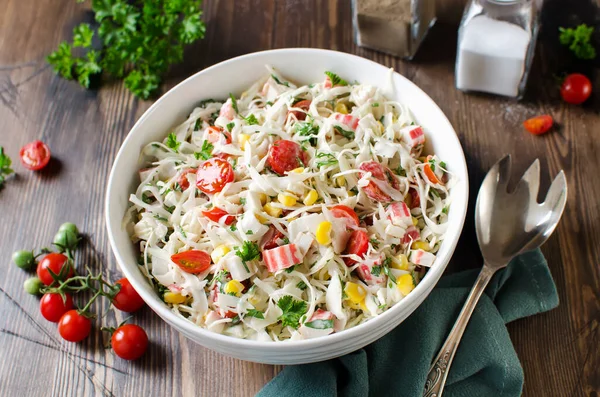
[[205, 152], [292, 310], [230, 126], [335, 79], [301, 285], [251, 120], [375, 105], [374, 243], [255, 313], [234, 103], [327, 159], [386, 269], [345, 133], [376, 271], [400, 171], [248, 251], [182, 232], [172, 142], [286, 240], [243, 200], [320, 324], [233, 228], [249, 232], [170, 209], [284, 83], [198, 124], [161, 218], [443, 164], [445, 210], [306, 128], [431, 164], [578, 41], [269, 103], [290, 269], [147, 199]]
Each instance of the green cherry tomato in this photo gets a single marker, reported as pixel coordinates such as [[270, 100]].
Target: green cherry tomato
[[33, 285], [70, 227], [66, 239], [24, 259]]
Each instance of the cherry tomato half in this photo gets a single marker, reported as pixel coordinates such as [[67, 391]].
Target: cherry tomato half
[[285, 156], [192, 261], [183, 182], [53, 307], [538, 125], [129, 342], [347, 214], [271, 238], [54, 262], [74, 327], [576, 89], [358, 244], [217, 134], [413, 200], [213, 175], [215, 214], [304, 105], [35, 155], [127, 299], [382, 173], [430, 174]]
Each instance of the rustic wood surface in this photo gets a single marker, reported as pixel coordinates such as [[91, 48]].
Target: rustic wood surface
[[559, 350]]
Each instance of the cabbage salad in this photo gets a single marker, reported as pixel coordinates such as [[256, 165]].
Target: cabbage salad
[[291, 212]]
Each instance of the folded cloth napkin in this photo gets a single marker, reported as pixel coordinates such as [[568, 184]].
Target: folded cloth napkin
[[486, 363]]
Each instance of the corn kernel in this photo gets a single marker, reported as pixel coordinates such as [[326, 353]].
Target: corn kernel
[[323, 233], [405, 284], [298, 170], [415, 221], [273, 211], [311, 197], [261, 218], [286, 199], [356, 293], [242, 140], [357, 306], [400, 262], [263, 198], [219, 252], [381, 125], [416, 245], [174, 297], [234, 287], [254, 299], [341, 108], [340, 181]]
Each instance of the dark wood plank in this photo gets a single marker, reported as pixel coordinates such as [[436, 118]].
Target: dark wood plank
[[559, 350]]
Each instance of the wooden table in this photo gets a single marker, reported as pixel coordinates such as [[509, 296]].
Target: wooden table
[[559, 350]]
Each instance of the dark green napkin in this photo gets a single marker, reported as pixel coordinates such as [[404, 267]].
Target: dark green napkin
[[486, 363]]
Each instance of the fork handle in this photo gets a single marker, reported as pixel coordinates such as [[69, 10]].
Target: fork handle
[[436, 378]]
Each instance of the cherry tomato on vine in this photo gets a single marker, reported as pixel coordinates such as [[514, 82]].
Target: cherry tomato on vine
[[53, 307], [576, 89], [129, 341], [538, 125], [35, 155], [74, 327], [127, 299], [56, 263]]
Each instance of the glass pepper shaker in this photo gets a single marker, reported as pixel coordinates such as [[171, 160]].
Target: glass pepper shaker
[[396, 27], [496, 43]]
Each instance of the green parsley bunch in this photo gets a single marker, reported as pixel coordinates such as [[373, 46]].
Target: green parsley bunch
[[139, 41], [579, 40]]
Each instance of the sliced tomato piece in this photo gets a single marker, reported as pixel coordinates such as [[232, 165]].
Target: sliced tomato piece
[[430, 174], [216, 134], [412, 234], [182, 180], [271, 238], [192, 261], [538, 125], [358, 244], [285, 156], [304, 105], [215, 214], [347, 214], [35, 155], [415, 200], [213, 175], [382, 173]]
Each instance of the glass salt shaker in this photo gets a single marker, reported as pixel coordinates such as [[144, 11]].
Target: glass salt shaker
[[496, 43], [396, 27]]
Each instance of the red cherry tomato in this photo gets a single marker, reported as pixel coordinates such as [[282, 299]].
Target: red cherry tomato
[[54, 262], [285, 156], [217, 134], [53, 307], [538, 125], [347, 214], [127, 299], [74, 327], [35, 155], [192, 261], [215, 214], [382, 173], [213, 175], [576, 89], [182, 180], [271, 238], [415, 199], [129, 342], [304, 105], [358, 244]]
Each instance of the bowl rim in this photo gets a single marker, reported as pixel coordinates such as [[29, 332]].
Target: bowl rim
[[187, 327]]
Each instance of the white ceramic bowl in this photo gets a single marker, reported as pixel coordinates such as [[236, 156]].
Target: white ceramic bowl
[[304, 66]]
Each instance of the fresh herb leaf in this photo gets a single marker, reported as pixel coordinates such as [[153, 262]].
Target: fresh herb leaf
[[346, 133], [249, 232], [242, 200], [62, 61], [374, 243], [251, 120], [230, 126], [172, 142], [290, 269], [234, 103], [82, 35], [375, 105], [431, 164], [161, 218], [248, 251], [5, 163], [285, 83], [301, 285], [306, 128], [386, 269], [335, 79], [255, 313], [198, 124], [286, 240], [170, 209], [434, 192], [320, 324], [443, 165], [205, 151], [327, 159], [145, 198], [445, 210], [376, 271], [182, 232], [269, 103], [233, 228], [400, 171], [578, 41], [292, 309]]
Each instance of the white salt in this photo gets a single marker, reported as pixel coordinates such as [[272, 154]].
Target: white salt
[[492, 56]]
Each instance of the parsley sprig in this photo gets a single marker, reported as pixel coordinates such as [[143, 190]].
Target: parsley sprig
[[578, 40], [292, 309], [335, 79], [205, 151], [137, 42], [5, 163], [172, 142]]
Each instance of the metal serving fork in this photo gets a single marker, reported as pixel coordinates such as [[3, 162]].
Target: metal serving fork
[[507, 224]]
